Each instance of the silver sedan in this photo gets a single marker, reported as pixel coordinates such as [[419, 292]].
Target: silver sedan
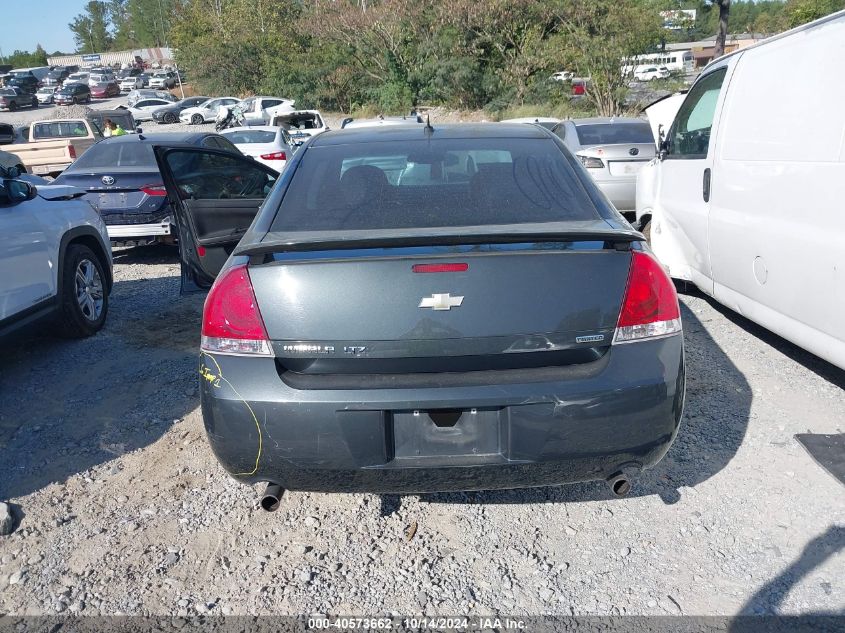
[[613, 150]]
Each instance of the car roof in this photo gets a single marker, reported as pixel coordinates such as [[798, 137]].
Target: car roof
[[260, 128], [531, 119], [162, 138], [415, 131]]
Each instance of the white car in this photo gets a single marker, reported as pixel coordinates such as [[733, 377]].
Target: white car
[[300, 124], [613, 150], [143, 109], [563, 75], [163, 79], [46, 94], [99, 78], [76, 78], [745, 198], [269, 145], [127, 84], [260, 110], [55, 258], [648, 73], [207, 111]]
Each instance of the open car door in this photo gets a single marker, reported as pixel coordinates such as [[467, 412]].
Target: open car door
[[215, 195]]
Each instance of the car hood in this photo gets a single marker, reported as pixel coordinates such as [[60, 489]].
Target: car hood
[[59, 192]]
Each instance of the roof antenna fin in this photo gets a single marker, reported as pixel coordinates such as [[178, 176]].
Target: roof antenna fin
[[428, 129]]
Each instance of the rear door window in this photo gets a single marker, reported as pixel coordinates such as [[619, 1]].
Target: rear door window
[[59, 129], [614, 133], [208, 176], [115, 155], [438, 183]]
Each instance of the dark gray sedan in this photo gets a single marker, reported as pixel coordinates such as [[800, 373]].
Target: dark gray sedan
[[424, 309]]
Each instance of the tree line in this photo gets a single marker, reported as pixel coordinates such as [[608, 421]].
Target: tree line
[[391, 55]]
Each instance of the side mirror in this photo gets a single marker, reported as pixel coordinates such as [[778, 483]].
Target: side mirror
[[18, 191], [663, 149]]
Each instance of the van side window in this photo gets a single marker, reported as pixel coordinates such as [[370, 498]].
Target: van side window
[[690, 134]]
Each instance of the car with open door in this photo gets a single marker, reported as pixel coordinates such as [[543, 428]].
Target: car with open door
[[410, 309]]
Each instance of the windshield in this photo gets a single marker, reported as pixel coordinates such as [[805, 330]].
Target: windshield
[[105, 154], [612, 133], [21, 74], [251, 136], [438, 183]]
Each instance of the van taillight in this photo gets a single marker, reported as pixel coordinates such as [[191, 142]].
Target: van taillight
[[231, 320], [650, 307], [71, 150]]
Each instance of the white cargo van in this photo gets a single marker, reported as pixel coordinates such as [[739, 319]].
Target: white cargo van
[[747, 199]]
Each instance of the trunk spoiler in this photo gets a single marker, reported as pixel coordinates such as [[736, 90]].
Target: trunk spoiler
[[598, 231]]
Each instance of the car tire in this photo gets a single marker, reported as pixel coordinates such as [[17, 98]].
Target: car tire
[[646, 231], [170, 118], [13, 106], [197, 119], [83, 294], [73, 101]]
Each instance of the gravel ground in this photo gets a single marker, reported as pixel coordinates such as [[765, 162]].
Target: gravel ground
[[122, 508]]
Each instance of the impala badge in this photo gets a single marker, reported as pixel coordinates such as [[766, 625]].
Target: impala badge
[[441, 302]]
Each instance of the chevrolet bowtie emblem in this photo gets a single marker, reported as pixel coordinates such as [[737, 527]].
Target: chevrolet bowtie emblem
[[441, 302]]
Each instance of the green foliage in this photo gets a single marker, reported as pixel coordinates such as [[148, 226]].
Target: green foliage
[[391, 55], [90, 29], [25, 59]]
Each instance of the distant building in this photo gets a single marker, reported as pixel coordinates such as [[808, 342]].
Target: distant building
[[110, 59], [704, 50]]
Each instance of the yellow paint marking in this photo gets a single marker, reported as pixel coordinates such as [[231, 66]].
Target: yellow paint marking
[[208, 375]]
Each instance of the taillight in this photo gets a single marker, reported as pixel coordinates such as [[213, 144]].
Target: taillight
[[154, 190], [275, 156], [650, 307], [231, 320], [71, 150], [591, 162]]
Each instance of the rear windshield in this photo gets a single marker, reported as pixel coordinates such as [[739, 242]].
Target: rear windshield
[[251, 136], [105, 154], [610, 133], [438, 183], [59, 129]]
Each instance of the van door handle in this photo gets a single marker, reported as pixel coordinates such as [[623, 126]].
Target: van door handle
[[706, 185]]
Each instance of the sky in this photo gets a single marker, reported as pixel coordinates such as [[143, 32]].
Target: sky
[[30, 22]]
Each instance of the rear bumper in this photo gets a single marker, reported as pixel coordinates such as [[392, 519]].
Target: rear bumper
[[623, 412], [622, 193], [133, 231]]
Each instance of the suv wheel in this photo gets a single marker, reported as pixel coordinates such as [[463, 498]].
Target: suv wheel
[[13, 106], [197, 119], [84, 299]]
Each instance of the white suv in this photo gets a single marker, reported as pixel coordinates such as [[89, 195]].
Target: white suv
[[55, 258]]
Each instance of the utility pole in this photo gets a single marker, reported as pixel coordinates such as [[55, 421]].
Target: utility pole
[[161, 23]]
